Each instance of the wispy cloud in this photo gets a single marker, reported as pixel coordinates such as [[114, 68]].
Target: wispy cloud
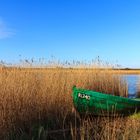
[[5, 32]]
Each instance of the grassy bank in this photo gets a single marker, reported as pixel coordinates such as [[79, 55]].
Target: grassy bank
[[37, 103]]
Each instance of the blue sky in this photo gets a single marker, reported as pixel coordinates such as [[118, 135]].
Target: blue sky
[[71, 30]]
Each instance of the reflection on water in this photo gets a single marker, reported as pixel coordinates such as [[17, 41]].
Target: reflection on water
[[132, 81]]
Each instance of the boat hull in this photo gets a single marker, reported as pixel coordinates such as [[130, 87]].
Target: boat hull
[[96, 103]]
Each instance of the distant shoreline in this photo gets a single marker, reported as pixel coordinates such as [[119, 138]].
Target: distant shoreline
[[124, 71], [113, 71]]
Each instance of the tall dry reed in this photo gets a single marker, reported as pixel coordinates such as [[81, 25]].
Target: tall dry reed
[[31, 98], [138, 88]]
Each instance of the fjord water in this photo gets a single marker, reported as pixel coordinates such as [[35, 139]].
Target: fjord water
[[133, 82]]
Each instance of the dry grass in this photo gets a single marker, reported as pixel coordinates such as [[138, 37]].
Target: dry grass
[[123, 71], [138, 89], [39, 100]]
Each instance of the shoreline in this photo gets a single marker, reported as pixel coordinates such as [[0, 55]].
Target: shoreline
[[109, 70]]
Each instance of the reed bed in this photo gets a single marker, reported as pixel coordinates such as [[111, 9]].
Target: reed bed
[[36, 104], [138, 89]]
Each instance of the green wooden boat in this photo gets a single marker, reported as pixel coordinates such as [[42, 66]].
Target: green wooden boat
[[96, 103]]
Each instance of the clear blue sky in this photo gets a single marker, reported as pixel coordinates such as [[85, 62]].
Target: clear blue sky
[[71, 30]]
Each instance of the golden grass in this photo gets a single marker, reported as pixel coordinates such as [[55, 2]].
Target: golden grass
[[123, 71], [42, 97]]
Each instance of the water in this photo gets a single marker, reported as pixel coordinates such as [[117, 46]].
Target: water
[[132, 81]]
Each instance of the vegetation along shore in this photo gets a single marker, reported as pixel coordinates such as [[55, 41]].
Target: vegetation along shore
[[37, 104]]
